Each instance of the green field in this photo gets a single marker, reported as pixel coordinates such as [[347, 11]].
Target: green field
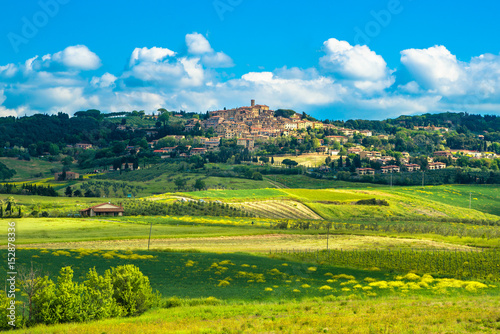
[[485, 198], [54, 230], [262, 274], [26, 170], [329, 195], [334, 204], [243, 277], [235, 195], [392, 315], [262, 293]]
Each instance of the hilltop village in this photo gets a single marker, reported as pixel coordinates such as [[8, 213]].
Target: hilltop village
[[453, 147], [255, 125]]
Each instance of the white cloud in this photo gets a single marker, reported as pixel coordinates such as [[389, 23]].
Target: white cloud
[[59, 96], [180, 73], [435, 69], [258, 77], [351, 80], [411, 87], [76, 57], [293, 93], [153, 54], [8, 71], [217, 60], [484, 74], [353, 62], [104, 81], [197, 44]]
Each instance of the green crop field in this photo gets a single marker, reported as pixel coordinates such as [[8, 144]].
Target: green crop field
[[329, 195], [485, 198], [235, 195], [306, 182]]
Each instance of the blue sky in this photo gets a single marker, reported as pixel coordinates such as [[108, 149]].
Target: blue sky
[[333, 59]]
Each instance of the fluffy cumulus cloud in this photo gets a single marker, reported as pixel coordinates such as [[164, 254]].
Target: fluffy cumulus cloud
[[353, 62], [217, 60], [153, 54], [351, 80], [363, 67], [104, 81], [77, 57], [462, 85], [435, 69], [197, 44]]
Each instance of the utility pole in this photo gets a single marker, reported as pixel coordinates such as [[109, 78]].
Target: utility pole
[[327, 236], [423, 178], [391, 177], [150, 228], [470, 200]]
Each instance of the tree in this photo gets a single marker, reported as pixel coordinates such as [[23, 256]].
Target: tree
[[30, 284], [357, 161], [272, 160], [67, 161], [264, 159], [199, 184], [68, 192], [164, 117], [289, 163], [180, 183], [10, 205], [257, 176], [77, 193], [119, 147], [53, 149]]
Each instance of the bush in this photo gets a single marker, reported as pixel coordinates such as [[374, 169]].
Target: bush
[[257, 176], [132, 290], [123, 290], [99, 297], [372, 201]]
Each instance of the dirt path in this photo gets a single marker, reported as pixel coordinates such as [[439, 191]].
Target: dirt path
[[275, 183]]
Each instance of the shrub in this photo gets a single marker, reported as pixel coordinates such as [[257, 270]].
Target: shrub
[[373, 201], [123, 290], [99, 297], [132, 290], [257, 176]]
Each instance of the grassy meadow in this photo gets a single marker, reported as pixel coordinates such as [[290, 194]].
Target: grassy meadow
[[392, 315], [27, 170]]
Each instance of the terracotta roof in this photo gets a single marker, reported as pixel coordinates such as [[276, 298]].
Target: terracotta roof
[[96, 208]]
